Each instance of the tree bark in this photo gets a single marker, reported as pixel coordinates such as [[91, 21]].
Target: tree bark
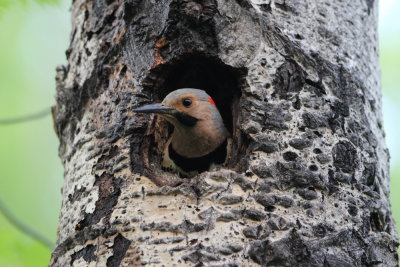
[[297, 83]]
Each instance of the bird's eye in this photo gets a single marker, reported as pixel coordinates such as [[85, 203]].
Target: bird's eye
[[187, 102]]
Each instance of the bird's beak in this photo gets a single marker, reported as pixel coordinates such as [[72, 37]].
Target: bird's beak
[[155, 108]]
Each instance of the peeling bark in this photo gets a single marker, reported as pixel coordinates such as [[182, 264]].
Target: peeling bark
[[297, 83]]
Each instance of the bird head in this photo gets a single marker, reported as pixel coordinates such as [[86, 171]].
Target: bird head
[[183, 107], [198, 125]]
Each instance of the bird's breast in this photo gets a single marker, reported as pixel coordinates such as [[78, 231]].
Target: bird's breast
[[194, 142], [199, 164]]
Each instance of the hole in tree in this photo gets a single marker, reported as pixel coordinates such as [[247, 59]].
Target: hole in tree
[[220, 81], [223, 83]]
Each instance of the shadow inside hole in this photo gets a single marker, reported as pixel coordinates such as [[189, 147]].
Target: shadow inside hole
[[220, 81], [223, 83]]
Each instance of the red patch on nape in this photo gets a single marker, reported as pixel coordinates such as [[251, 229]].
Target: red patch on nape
[[211, 101]]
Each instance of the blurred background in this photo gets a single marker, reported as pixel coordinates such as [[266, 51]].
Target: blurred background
[[34, 35]]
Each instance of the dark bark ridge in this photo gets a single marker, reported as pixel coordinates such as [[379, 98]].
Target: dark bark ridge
[[308, 183]]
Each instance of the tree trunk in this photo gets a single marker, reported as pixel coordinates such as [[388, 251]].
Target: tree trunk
[[297, 83]]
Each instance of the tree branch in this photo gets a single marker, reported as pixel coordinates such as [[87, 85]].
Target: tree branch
[[3, 208], [23, 227], [30, 117]]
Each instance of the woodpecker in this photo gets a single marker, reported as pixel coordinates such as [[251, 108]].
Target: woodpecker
[[199, 139]]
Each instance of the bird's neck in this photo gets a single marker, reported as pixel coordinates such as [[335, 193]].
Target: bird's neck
[[199, 140]]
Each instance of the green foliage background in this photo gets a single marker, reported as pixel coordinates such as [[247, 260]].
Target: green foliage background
[[33, 38]]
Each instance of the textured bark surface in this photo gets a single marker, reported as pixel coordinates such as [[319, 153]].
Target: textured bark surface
[[298, 85]]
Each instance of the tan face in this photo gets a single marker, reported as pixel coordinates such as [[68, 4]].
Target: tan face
[[189, 104], [186, 108]]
